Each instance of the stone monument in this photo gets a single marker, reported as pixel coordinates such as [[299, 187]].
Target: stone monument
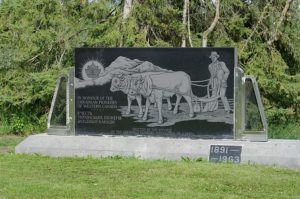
[[162, 103]]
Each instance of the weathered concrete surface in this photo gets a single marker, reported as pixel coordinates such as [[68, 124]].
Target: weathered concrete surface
[[274, 152]]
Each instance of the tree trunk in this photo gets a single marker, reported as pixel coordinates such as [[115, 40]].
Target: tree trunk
[[184, 17], [126, 13], [146, 31], [212, 25], [274, 34], [189, 26], [127, 9]]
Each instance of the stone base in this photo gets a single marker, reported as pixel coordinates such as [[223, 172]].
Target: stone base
[[274, 152]]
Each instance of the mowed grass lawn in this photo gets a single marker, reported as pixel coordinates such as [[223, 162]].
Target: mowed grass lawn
[[34, 176]]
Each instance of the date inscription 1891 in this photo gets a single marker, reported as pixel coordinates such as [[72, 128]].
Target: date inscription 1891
[[225, 153]]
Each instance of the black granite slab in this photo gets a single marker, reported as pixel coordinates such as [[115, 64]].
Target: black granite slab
[[104, 77]]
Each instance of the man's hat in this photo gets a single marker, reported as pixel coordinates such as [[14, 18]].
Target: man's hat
[[214, 54]]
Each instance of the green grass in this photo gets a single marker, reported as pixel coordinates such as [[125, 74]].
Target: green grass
[[34, 176], [284, 131], [24, 176], [4, 128], [8, 143]]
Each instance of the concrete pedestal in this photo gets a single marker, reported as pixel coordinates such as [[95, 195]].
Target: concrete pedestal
[[274, 152]]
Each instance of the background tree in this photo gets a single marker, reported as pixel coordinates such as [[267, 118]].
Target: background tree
[[184, 22], [126, 14], [213, 24], [37, 41]]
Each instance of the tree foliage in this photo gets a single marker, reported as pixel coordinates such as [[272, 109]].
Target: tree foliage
[[37, 41]]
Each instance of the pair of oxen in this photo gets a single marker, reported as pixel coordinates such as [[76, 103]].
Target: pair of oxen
[[154, 86]]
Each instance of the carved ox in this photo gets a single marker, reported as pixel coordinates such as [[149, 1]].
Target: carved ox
[[121, 82], [156, 86]]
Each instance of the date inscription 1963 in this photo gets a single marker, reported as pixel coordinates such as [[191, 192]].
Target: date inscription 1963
[[225, 153]]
